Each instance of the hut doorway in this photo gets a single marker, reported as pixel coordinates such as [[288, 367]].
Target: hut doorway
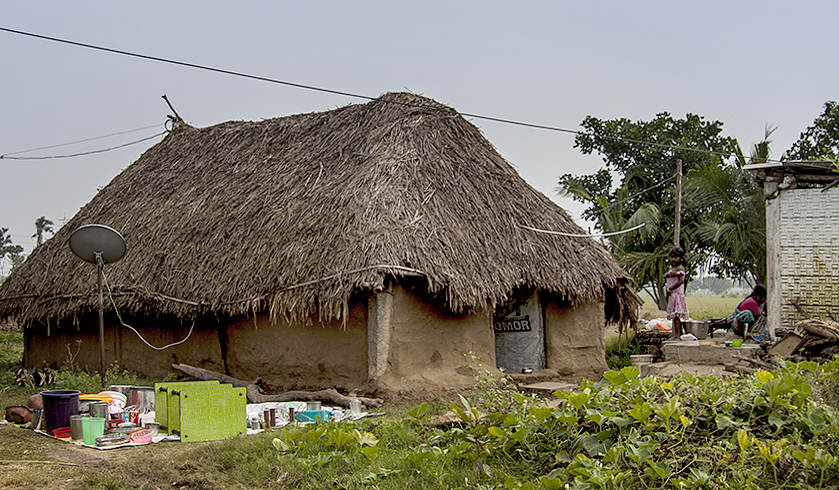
[[520, 336]]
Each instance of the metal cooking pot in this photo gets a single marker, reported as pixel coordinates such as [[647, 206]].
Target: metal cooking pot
[[142, 397]]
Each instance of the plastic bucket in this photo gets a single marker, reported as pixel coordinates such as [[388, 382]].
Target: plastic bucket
[[59, 405], [92, 427]]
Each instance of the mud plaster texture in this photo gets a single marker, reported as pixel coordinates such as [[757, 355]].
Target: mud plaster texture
[[429, 346], [575, 347], [319, 355], [81, 342], [426, 352]]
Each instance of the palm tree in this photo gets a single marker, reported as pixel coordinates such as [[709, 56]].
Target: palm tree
[[42, 225], [8, 249], [734, 223]]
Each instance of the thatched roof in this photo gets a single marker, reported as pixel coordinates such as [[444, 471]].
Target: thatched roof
[[293, 215]]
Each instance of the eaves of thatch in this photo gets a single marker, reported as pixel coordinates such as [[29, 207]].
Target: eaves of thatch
[[293, 215]]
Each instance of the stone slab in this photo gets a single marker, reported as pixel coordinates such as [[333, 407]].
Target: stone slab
[[690, 352]]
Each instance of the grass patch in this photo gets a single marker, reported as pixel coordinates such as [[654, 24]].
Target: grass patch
[[701, 307]]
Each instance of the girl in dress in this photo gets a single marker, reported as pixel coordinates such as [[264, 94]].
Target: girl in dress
[[677, 306]]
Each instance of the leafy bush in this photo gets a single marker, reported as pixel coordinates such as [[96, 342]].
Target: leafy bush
[[761, 431], [620, 347]]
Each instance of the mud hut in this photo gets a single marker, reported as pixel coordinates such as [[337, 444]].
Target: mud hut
[[372, 247]]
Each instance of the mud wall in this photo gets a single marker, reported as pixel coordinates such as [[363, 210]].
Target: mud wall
[[54, 347], [292, 356], [429, 347], [574, 339]]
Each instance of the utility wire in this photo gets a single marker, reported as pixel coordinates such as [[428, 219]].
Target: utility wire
[[51, 157], [342, 93], [81, 141], [584, 235]]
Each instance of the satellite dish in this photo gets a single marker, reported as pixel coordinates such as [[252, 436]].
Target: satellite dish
[[100, 245], [89, 240]]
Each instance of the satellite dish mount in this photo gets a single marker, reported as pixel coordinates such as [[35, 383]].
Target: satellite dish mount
[[100, 245]]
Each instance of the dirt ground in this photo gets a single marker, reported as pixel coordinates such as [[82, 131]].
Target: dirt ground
[[29, 460]]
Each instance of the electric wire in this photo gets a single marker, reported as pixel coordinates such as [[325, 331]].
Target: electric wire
[[81, 141], [91, 152], [348, 94], [584, 235]]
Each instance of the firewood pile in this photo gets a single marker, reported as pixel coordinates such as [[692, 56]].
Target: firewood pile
[[811, 340], [820, 341]]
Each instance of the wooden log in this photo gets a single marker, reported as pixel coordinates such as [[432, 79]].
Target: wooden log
[[823, 328], [255, 394]]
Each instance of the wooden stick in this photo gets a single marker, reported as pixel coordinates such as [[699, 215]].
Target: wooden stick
[[757, 362], [15, 461]]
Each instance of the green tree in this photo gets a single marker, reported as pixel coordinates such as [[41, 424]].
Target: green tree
[[42, 225], [9, 249], [732, 224], [642, 157], [819, 141]]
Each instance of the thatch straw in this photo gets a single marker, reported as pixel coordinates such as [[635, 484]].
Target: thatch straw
[[243, 217]]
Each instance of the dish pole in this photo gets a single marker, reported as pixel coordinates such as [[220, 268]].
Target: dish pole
[[678, 229], [100, 264]]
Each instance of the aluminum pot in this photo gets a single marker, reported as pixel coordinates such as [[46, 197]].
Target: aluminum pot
[[99, 409], [141, 397]]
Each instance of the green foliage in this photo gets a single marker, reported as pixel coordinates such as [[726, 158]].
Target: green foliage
[[821, 140], [42, 225], [639, 196], [70, 379], [8, 249], [619, 347]]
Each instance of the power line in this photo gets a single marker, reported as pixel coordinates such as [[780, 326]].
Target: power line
[[92, 152], [80, 141], [340, 92]]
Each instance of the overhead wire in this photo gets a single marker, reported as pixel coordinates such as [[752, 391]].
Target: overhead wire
[[341, 92], [118, 133], [91, 152]]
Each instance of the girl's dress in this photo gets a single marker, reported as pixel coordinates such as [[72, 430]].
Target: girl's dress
[[677, 305]]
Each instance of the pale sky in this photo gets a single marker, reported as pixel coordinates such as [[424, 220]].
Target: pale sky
[[745, 63]]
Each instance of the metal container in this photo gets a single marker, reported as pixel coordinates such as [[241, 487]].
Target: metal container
[[141, 397], [120, 389], [313, 405], [76, 433], [99, 409], [269, 418], [699, 329]]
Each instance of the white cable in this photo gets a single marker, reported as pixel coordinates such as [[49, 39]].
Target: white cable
[[135, 330], [574, 235]]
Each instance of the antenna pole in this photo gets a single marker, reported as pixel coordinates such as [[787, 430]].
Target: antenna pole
[[173, 109], [678, 229], [99, 265]]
